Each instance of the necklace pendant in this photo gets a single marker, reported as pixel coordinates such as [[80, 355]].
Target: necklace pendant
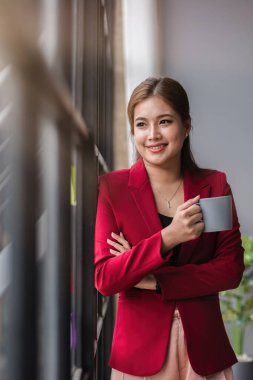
[[169, 204]]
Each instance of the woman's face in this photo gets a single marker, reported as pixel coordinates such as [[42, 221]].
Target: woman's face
[[159, 132]]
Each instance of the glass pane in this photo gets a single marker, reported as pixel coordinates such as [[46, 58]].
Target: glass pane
[[5, 246]]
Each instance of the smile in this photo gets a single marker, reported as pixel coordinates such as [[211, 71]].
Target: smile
[[157, 148]]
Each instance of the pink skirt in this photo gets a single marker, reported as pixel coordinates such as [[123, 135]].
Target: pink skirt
[[178, 367]]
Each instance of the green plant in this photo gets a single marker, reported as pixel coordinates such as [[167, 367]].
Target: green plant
[[237, 304]]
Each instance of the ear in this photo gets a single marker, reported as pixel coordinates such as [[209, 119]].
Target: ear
[[188, 126]]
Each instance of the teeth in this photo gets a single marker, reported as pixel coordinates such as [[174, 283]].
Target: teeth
[[156, 147]]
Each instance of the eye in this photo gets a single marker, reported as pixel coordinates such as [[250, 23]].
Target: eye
[[166, 121], [140, 124]]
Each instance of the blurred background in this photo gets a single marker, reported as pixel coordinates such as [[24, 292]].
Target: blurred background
[[67, 69]]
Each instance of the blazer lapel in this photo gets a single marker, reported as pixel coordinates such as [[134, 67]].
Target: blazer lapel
[[193, 186], [142, 194]]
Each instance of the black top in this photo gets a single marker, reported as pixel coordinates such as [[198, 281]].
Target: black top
[[166, 220]]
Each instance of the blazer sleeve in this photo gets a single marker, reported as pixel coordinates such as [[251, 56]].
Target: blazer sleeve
[[222, 272], [116, 273]]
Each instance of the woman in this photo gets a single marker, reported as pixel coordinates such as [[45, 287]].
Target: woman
[[150, 248]]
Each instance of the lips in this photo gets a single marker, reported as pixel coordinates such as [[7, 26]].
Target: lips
[[156, 148]]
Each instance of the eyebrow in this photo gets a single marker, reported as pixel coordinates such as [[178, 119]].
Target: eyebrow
[[158, 117]]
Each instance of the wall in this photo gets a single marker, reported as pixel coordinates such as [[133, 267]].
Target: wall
[[207, 46]]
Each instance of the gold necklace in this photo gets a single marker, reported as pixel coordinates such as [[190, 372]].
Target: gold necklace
[[169, 200]]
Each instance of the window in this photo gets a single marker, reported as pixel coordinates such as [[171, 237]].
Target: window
[[55, 138]]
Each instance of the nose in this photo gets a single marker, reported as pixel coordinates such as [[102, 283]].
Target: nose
[[154, 132]]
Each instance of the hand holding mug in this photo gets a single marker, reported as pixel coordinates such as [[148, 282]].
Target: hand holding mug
[[187, 224]]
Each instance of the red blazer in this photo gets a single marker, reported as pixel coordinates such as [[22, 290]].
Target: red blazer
[[207, 265]]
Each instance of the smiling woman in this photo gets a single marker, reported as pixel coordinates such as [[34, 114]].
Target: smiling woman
[[173, 101], [150, 248], [159, 132]]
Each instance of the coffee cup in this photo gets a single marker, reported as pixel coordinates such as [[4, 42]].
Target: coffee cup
[[217, 213]]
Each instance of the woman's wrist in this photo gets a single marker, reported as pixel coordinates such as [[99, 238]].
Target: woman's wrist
[[169, 240], [148, 283]]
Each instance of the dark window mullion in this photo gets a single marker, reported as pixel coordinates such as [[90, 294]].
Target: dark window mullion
[[64, 255], [23, 288], [89, 293]]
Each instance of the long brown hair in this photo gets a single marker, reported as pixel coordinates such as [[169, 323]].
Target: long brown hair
[[175, 95]]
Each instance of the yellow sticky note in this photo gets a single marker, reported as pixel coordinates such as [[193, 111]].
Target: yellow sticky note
[[73, 186]]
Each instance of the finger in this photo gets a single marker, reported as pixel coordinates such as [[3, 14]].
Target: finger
[[115, 253], [126, 244], [193, 210], [120, 238], [196, 218], [119, 247], [189, 203], [200, 226]]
